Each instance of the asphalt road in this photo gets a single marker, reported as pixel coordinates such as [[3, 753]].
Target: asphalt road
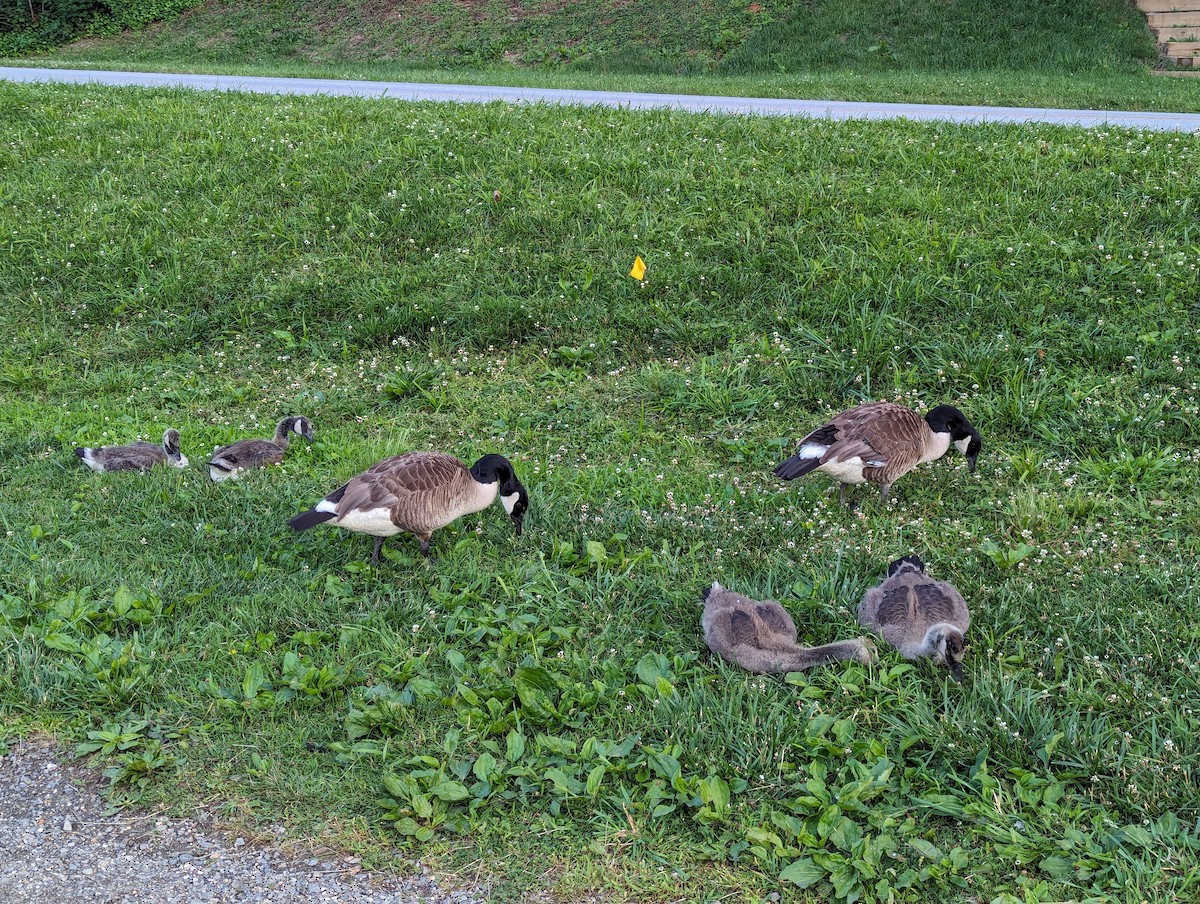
[[411, 91]]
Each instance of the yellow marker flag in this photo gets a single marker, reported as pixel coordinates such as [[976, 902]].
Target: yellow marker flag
[[639, 268]]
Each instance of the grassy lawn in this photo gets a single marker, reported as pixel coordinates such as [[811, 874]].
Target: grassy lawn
[[542, 710], [1094, 54]]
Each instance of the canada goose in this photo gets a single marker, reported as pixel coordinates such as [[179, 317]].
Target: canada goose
[[761, 637], [139, 456], [918, 615], [881, 442], [418, 492], [230, 461]]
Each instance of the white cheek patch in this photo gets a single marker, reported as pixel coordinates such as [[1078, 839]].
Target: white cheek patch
[[510, 502], [961, 444]]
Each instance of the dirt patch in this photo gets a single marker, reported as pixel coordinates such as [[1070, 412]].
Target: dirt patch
[[58, 844]]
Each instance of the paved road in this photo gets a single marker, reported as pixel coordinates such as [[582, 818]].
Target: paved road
[[827, 109]]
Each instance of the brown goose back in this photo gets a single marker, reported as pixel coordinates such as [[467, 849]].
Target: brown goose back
[[881, 432], [422, 491]]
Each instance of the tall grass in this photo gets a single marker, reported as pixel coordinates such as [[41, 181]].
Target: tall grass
[[543, 707], [1094, 54], [964, 36]]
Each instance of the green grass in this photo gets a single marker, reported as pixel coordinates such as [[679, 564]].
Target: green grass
[[616, 35], [542, 709], [967, 35], [1066, 54]]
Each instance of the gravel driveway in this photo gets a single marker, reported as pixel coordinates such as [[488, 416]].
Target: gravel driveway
[[57, 848]]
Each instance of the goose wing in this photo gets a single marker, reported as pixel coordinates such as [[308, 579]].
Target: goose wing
[[895, 606], [838, 440], [139, 455], [941, 602], [421, 490], [857, 433], [882, 432]]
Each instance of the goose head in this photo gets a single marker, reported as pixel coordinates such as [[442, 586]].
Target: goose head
[[907, 563], [301, 426], [945, 643], [513, 496], [171, 447], [964, 437]]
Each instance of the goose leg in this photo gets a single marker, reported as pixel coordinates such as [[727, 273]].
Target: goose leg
[[375, 554], [425, 549], [883, 491], [842, 495]]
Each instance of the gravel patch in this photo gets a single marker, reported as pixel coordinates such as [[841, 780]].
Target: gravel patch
[[57, 847]]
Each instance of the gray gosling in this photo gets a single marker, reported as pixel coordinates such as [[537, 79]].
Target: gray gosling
[[139, 456], [230, 462], [918, 615], [761, 637], [879, 443], [418, 492]]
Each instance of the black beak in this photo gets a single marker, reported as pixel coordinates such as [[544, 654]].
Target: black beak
[[517, 526], [956, 672], [971, 463]]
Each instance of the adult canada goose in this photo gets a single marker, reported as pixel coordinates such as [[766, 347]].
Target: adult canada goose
[[230, 461], [881, 442], [139, 456], [761, 637], [918, 615], [418, 492]]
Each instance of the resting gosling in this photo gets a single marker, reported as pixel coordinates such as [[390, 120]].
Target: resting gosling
[[761, 637], [418, 492], [881, 442], [230, 461], [918, 615], [139, 456]]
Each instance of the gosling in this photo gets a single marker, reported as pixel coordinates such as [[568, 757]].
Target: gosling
[[139, 456], [232, 461], [918, 615], [761, 636]]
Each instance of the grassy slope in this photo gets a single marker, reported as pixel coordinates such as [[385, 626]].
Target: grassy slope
[[926, 34], [215, 262], [1092, 55]]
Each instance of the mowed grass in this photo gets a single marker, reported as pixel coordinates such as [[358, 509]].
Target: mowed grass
[[542, 710], [1096, 54]]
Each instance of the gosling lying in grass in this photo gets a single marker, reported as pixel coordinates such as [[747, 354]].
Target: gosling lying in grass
[[139, 456], [232, 461], [761, 637], [918, 615]]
